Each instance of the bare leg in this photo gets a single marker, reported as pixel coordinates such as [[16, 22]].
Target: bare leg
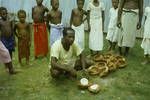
[[126, 51], [55, 73], [113, 45], [110, 45], [146, 60], [120, 50], [10, 68]]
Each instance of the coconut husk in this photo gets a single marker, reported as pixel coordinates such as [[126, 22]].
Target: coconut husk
[[93, 90], [93, 70], [98, 57]]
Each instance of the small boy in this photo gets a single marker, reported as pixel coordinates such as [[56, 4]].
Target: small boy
[[54, 17], [40, 31], [77, 23], [7, 35], [112, 27], [23, 34]]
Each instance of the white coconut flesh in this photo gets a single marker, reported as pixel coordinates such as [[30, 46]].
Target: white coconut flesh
[[84, 81], [94, 86]]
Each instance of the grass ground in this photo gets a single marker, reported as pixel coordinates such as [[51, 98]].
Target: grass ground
[[34, 82]]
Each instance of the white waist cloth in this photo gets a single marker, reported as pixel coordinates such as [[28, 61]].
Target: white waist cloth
[[55, 32], [79, 35], [129, 30]]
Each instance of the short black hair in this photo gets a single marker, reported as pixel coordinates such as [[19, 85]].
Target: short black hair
[[21, 11], [66, 29], [2, 8], [81, 0]]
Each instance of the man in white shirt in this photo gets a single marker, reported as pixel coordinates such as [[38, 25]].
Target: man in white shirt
[[66, 55]]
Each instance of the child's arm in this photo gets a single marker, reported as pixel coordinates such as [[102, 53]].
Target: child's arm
[[30, 35], [71, 19], [121, 5], [48, 20], [103, 19], [140, 2], [88, 20]]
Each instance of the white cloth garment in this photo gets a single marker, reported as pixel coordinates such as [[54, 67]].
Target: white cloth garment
[[146, 39], [79, 35], [112, 27], [129, 28], [96, 33]]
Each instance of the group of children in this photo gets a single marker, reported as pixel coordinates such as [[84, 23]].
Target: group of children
[[94, 16]]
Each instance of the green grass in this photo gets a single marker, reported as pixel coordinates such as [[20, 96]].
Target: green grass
[[34, 82]]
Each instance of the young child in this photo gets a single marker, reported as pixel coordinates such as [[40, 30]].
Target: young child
[[23, 34], [6, 28], [146, 39], [40, 31], [77, 22], [112, 27], [96, 20], [54, 17]]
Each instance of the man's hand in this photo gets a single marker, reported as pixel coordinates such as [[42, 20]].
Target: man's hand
[[73, 72], [119, 24], [138, 25]]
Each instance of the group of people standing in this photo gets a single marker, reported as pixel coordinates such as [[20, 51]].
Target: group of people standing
[[65, 43]]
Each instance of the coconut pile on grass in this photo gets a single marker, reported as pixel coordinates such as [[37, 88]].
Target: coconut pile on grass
[[106, 63]]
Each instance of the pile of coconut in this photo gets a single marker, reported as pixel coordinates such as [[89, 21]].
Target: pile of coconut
[[106, 63]]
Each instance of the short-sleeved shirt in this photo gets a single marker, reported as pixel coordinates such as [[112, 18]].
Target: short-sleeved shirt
[[95, 11], [66, 57]]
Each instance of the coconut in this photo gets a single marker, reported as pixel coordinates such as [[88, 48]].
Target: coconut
[[94, 88], [84, 83]]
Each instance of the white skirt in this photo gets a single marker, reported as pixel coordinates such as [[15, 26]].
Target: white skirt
[[96, 35], [112, 34], [79, 35], [146, 46]]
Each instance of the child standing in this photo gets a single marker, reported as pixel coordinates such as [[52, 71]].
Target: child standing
[[40, 31], [23, 34], [7, 35], [77, 23], [96, 20], [146, 39], [54, 17], [112, 27]]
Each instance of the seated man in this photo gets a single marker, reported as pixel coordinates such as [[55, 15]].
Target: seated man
[[66, 55]]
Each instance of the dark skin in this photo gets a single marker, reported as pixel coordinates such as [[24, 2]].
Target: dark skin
[[59, 68], [22, 30], [130, 4], [55, 15], [6, 26], [78, 14], [38, 12]]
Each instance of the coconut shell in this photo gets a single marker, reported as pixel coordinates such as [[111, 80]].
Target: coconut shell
[[94, 90]]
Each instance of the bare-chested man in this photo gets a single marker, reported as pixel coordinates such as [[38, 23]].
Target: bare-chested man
[[129, 20], [76, 22], [54, 17], [40, 31]]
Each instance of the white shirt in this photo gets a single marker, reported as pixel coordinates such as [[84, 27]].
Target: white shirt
[[66, 57]]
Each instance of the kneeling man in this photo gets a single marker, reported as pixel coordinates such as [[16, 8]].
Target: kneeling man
[[66, 56]]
